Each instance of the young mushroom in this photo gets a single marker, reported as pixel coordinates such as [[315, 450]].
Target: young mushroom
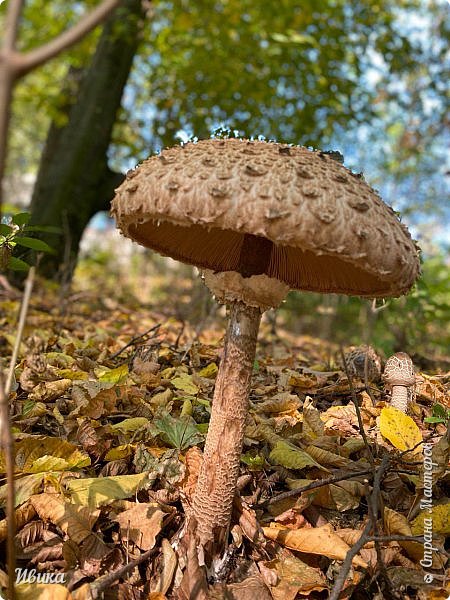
[[259, 219], [400, 378]]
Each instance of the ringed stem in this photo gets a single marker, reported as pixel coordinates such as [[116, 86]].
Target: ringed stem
[[216, 485]]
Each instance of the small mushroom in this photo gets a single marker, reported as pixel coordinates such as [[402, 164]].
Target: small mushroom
[[362, 359], [250, 260], [400, 378]]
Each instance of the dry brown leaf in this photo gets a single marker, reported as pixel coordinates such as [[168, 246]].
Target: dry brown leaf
[[313, 425], [293, 577], [326, 458], [23, 515], [249, 589], [318, 540], [166, 569], [76, 521], [292, 519], [50, 390], [141, 524], [282, 402], [397, 524]]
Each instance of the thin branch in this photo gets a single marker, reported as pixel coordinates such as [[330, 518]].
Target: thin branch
[[346, 565], [22, 317], [12, 24], [134, 340], [7, 443], [313, 485], [34, 58], [357, 409]]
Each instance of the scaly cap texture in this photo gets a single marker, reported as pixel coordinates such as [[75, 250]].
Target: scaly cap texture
[[331, 231]]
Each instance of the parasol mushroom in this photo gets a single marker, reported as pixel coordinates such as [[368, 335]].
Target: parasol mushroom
[[259, 219], [399, 377]]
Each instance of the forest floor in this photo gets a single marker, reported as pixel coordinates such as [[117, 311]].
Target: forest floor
[[109, 412]]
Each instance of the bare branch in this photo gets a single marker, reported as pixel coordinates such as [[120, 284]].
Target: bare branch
[[22, 317], [34, 58], [12, 25]]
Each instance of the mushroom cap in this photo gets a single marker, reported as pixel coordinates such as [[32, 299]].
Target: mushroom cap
[[399, 370], [331, 231]]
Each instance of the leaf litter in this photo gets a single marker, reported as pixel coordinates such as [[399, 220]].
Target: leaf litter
[[109, 435]]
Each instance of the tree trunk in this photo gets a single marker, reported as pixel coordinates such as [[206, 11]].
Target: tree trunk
[[74, 180]]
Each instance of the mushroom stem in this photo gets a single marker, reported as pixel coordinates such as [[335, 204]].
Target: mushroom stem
[[213, 498], [400, 397]]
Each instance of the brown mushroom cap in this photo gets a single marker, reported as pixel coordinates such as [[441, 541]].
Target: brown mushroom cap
[[331, 231]]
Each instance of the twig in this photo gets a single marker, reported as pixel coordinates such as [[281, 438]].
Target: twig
[[358, 410], [103, 583], [313, 485], [34, 58], [7, 443], [135, 339], [7, 440], [346, 565], [22, 317]]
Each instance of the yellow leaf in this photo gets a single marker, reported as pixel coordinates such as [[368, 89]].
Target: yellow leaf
[[117, 375], [289, 456], [42, 453], [184, 382], [130, 425], [69, 374], [400, 429], [120, 452], [440, 515], [209, 371], [96, 491], [317, 540], [43, 591]]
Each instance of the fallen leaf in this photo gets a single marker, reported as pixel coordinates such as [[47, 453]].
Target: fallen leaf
[[166, 569], [43, 453], [400, 429], [76, 521], [141, 524], [289, 456], [317, 540], [293, 577], [95, 492], [440, 516], [184, 382]]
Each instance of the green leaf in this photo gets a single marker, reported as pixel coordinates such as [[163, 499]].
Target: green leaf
[[34, 244], [44, 228], [5, 229], [95, 491], [433, 420], [289, 456], [16, 264], [179, 433], [21, 218]]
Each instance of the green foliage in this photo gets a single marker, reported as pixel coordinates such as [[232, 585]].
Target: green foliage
[[418, 323], [11, 237], [178, 432], [440, 414]]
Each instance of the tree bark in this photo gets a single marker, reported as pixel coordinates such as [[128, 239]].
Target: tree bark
[[216, 486], [14, 64], [74, 180]]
